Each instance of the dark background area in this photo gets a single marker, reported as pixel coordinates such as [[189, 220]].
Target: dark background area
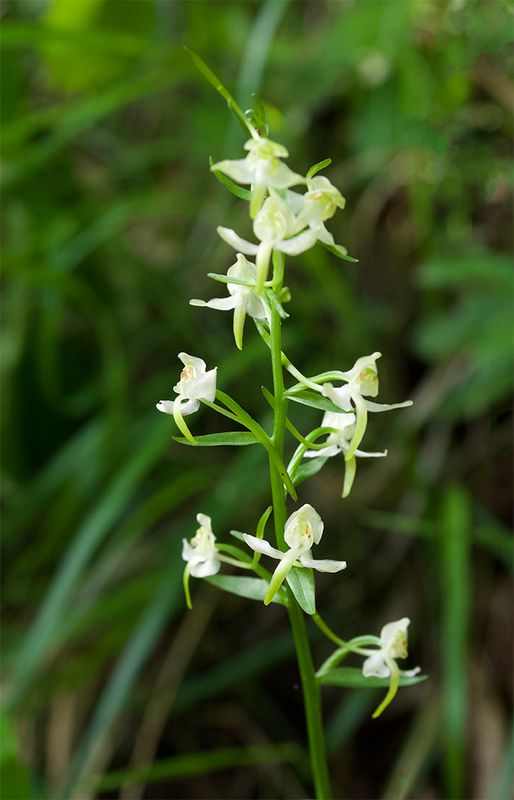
[[109, 228]]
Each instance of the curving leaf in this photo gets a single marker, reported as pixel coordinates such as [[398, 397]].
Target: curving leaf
[[318, 167], [252, 588], [243, 194], [233, 438], [315, 401], [352, 678], [301, 583]]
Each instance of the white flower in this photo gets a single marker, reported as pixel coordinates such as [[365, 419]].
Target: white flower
[[362, 379], [243, 300], [381, 663], [313, 208], [339, 441], [195, 384], [303, 529], [274, 226], [262, 168], [200, 553]]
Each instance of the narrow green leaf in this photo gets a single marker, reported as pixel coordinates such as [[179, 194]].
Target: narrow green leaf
[[252, 588], [318, 167], [339, 253], [314, 400], [213, 79], [194, 764], [352, 678], [232, 438], [301, 583]]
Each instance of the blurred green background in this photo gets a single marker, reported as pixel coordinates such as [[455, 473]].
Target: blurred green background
[[109, 221]]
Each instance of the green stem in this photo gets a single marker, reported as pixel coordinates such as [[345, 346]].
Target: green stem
[[310, 687]]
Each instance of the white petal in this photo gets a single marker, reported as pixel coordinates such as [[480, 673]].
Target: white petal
[[237, 169], [386, 406], [326, 452], [206, 567], [297, 244], [186, 406], [205, 522], [255, 307], [409, 673], [323, 565], [166, 406], [365, 454], [203, 388], [375, 666], [219, 303], [262, 546], [242, 245], [198, 364]]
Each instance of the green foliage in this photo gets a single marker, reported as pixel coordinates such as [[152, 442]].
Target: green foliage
[[109, 226]]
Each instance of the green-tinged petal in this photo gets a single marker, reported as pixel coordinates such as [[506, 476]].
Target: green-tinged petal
[[262, 263], [361, 420], [185, 583], [280, 573], [239, 324], [180, 421], [349, 475], [256, 199], [393, 688]]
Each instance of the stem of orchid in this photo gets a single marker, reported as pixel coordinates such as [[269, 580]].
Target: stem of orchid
[[348, 647], [322, 625], [310, 687], [235, 563]]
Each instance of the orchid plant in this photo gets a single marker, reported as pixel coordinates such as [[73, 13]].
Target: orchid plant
[[286, 222]]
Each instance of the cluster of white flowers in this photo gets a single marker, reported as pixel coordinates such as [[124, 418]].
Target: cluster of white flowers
[[289, 223]]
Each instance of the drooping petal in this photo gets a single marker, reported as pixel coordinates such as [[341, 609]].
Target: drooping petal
[[262, 263], [386, 406], [361, 420], [280, 573], [179, 418], [322, 564], [241, 245], [219, 303], [262, 546], [239, 323]]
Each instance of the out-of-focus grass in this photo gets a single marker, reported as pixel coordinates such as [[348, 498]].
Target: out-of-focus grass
[[109, 222]]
